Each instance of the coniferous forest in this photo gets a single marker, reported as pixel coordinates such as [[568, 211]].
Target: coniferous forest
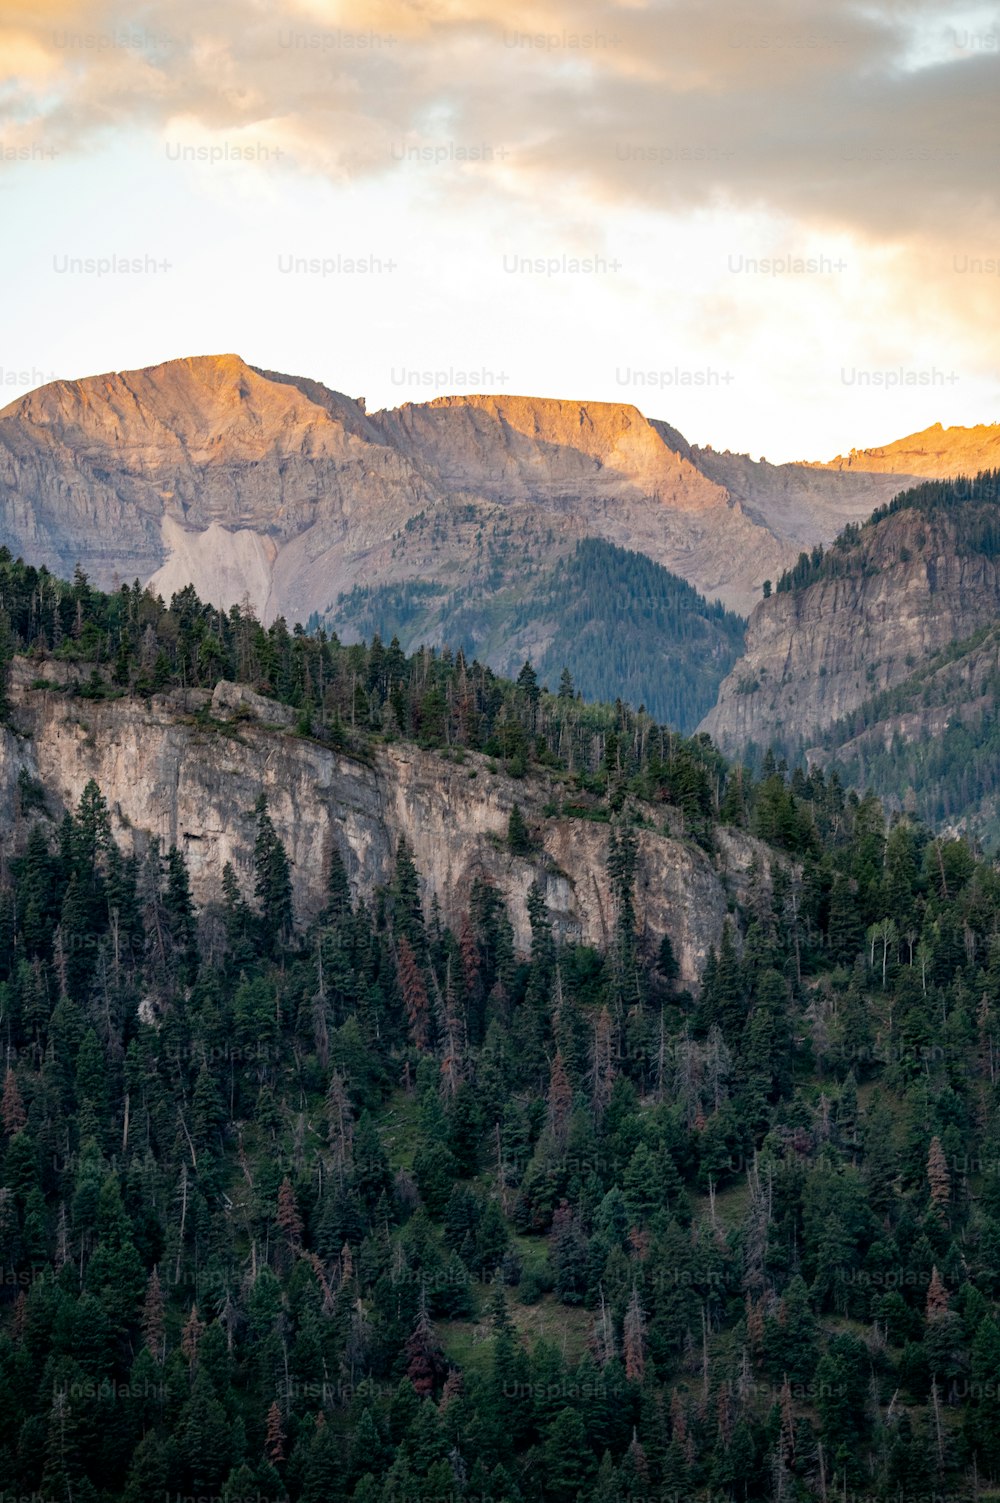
[[624, 626], [379, 1209]]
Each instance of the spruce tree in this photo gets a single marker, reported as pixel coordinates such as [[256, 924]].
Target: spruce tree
[[518, 835], [272, 882]]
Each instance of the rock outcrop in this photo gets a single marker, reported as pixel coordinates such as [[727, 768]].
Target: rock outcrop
[[814, 654], [186, 768]]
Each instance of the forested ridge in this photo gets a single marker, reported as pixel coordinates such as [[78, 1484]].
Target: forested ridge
[[946, 767], [930, 742], [624, 626], [130, 643], [967, 505], [376, 1209], [627, 628]]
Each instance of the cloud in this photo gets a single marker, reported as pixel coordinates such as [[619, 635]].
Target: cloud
[[788, 105], [455, 131]]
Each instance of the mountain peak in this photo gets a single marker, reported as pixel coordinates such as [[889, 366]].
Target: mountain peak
[[246, 481], [936, 451]]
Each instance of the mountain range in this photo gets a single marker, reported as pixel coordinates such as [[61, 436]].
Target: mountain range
[[580, 534]]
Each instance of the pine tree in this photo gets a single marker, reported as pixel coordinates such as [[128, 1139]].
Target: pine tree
[[518, 835], [407, 913], [425, 1365], [6, 656], [666, 961], [643, 1184], [985, 1386], [272, 882], [566, 1457], [152, 1316], [845, 934], [237, 917], [568, 1255], [207, 1437], [560, 1100], [623, 852], [148, 1474], [338, 905], [322, 1472], [506, 1350], [180, 915], [92, 832], [723, 1000], [92, 1087], [527, 683], [12, 1106]]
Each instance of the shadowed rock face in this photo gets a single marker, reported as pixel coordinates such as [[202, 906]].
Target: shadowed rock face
[[815, 654], [244, 482], [166, 776]]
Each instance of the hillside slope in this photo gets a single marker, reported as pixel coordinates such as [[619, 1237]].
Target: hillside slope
[[931, 744], [617, 622], [859, 619], [354, 1173]]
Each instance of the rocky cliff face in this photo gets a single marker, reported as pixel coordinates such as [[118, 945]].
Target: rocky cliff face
[[245, 482], [801, 503], [193, 782], [814, 654], [201, 471]]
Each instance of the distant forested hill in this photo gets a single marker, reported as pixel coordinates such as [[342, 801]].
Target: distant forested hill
[[622, 625]]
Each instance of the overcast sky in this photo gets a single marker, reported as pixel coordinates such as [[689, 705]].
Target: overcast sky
[[774, 225]]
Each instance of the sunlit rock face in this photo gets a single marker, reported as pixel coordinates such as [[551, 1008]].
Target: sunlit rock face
[[253, 485]]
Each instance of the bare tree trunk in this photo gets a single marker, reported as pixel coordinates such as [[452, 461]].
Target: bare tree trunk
[[704, 1354], [180, 1239], [937, 1415], [501, 1178]]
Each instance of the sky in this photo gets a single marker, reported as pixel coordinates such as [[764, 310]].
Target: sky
[[774, 225]]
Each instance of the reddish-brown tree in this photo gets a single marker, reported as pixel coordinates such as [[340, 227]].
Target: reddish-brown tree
[[191, 1336], [938, 1177], [274, 1443], [288, 1215], [411, 984]]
